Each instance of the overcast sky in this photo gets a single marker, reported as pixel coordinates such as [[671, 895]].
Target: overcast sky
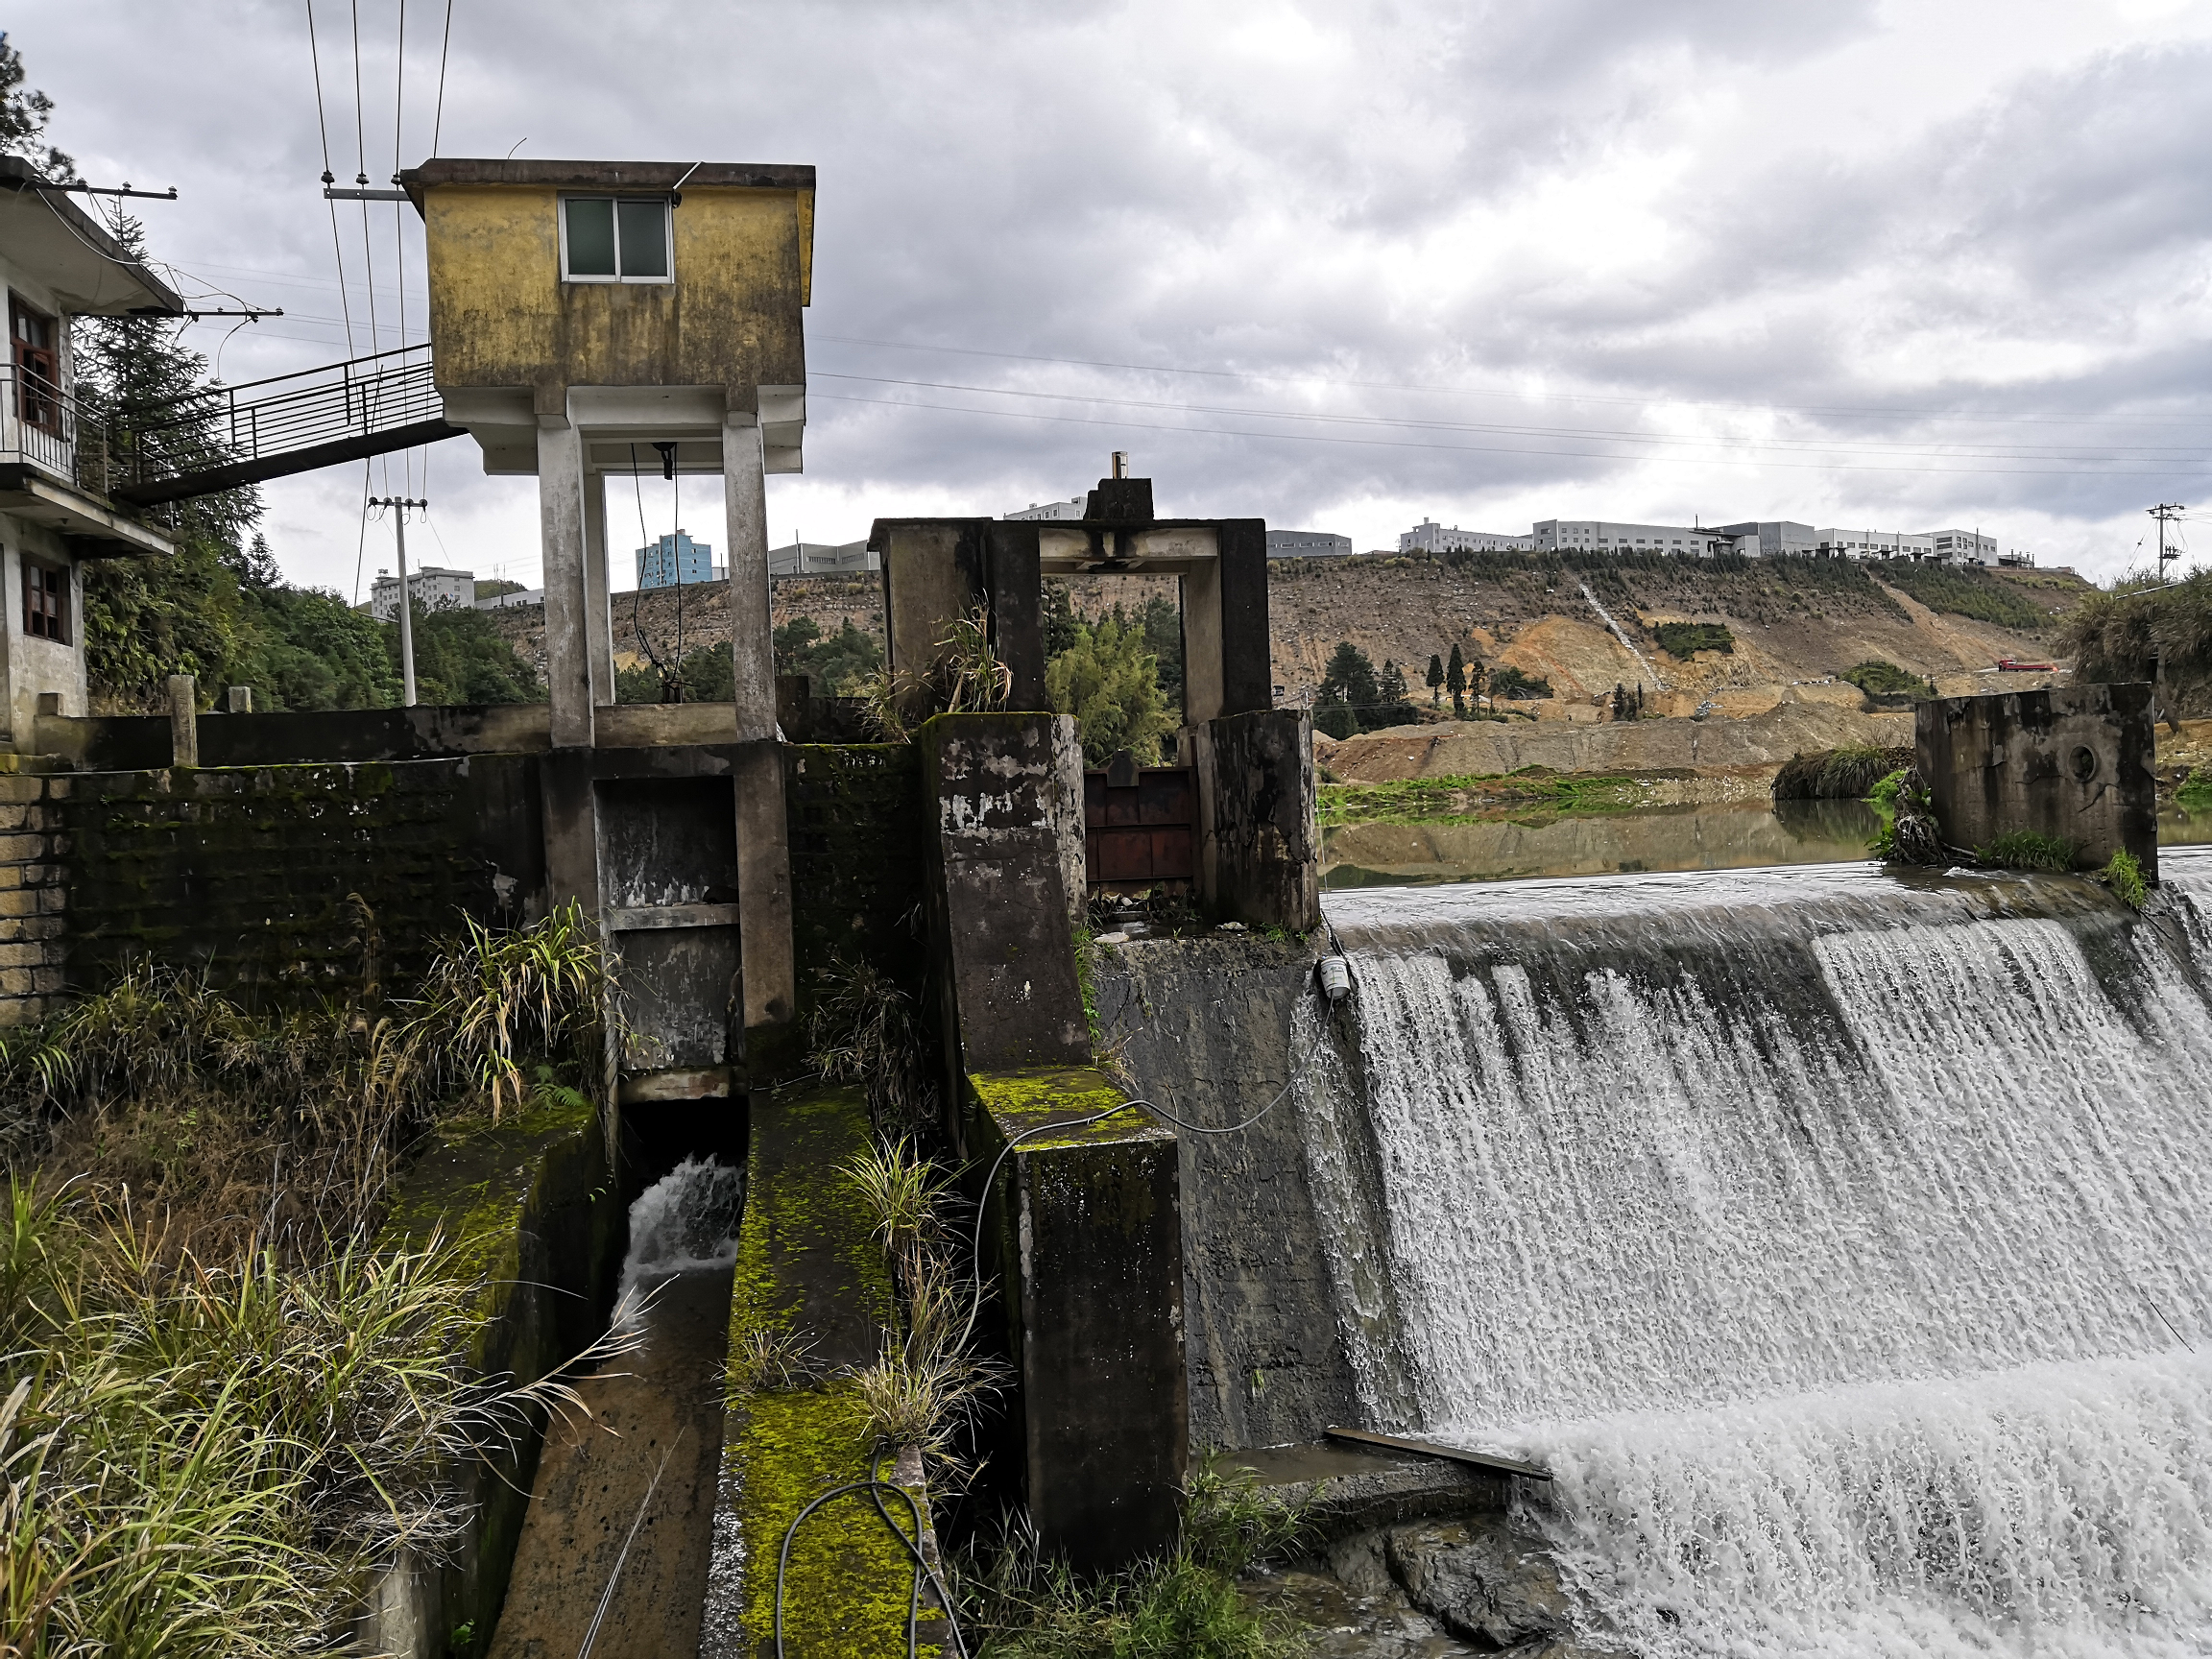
[[1342, 265]]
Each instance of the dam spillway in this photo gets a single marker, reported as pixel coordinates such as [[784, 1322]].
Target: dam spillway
[[1839, 1239]]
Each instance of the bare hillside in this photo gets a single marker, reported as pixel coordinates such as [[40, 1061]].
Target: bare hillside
[[1793, 621]]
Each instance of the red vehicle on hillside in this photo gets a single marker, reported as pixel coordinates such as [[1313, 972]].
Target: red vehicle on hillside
[[2013, 666]]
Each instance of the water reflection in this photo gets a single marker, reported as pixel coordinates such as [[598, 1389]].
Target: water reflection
[[1739, 836]]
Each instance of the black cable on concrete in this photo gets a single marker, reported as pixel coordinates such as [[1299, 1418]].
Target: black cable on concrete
[[874, 1488], [921, 1563]]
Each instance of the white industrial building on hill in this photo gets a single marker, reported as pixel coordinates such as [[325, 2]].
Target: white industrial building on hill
[[1766, 539]]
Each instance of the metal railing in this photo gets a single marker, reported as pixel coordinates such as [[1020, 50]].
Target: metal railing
[[45, 426], [283, 415]]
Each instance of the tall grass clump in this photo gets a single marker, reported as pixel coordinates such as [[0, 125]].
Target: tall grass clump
[[863, 1028], [1848, 773], [2123, 873], [964, 677], [284, 1128], [200, 1457], [1185, 1603], [2029, 850], [929, 1384], [2131, 632]]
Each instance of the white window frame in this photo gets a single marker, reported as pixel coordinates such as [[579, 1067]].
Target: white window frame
[[667, 231]]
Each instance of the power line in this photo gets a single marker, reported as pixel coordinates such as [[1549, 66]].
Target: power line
[[2008, 452], [1505, 450], [444, 48], [1515, 393]]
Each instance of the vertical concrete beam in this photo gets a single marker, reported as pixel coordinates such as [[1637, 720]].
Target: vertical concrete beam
[[2072, 761], [1259, 851], [598, 595], [933, 571], [766, 953], [1014, 590], [183, 721], [1202, 688], [745, 506], [568, 616], [1065, 808], [999, 912], [1247, 670]]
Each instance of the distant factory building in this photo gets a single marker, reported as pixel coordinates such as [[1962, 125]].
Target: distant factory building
[[823, 559], [1054, 510], [1773, 539], [675, 558], [430, 588], [1305, 544], [1430, 537], [1603, 536]]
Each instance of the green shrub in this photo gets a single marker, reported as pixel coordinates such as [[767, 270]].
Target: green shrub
[[1880, 679], [2123, 873], [2195, 791], [1963, 592], [1514, 683], [1685, 640], [1109, 681], [1336, 719], [2029, 850], [1845, 774]]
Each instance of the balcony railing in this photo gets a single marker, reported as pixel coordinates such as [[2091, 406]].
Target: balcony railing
[[44, 426]]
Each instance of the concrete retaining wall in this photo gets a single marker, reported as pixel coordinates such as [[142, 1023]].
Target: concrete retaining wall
[[539, 1231], [1206, 1027]]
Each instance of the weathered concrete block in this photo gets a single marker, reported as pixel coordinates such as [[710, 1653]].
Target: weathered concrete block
[[22, 848], [999, 913], [2072, 761], [1089, 1228], [20, 902], [20, 786], [1259, 851]]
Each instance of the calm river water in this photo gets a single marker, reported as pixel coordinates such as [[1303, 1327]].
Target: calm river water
[[1740, 836]]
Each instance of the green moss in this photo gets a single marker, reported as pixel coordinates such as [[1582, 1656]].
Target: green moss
[[1011, 1102], [846, 1590]]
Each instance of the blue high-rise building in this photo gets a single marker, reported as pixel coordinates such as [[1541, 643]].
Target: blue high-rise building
[[674, 559]]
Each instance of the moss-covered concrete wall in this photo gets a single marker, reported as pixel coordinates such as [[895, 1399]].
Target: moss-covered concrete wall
[[810, 1271], [252, 873], [536, 1229], [858, 860]]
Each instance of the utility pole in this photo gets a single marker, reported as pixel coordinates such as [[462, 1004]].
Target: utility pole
[[400, 504], [2166, 511]]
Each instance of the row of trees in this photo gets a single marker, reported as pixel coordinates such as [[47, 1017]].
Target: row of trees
[[1353, 697]]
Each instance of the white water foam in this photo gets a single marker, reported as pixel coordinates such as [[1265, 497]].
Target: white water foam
[[1845, 1280], [684, 1223]]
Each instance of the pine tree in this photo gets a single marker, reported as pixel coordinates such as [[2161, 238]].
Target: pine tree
[[1391, 689], [1350, 677], [23, 118], [1435, 680], [1455, 683], [1474, 678]]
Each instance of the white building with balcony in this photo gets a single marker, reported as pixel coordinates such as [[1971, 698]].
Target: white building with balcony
[[55, 263]]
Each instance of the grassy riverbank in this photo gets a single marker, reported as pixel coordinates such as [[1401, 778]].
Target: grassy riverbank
[[1440, 800]]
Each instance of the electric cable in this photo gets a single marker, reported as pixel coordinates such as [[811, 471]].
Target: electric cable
[[1520, 393], [322, 130], [676, 547], [1588, 434], [1513, 449], [445, 50], [400, 219], [783, 1557]]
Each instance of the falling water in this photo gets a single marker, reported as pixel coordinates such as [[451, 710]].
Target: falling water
[[1839, 1241], [684, 1222]]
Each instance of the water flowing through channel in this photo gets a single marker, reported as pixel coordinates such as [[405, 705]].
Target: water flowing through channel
[[1843, 1245]]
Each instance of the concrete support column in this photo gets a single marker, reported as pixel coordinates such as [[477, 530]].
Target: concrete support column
[[1259, 853], [745, 503], [561, 527], [598, 603], [767, 956]]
